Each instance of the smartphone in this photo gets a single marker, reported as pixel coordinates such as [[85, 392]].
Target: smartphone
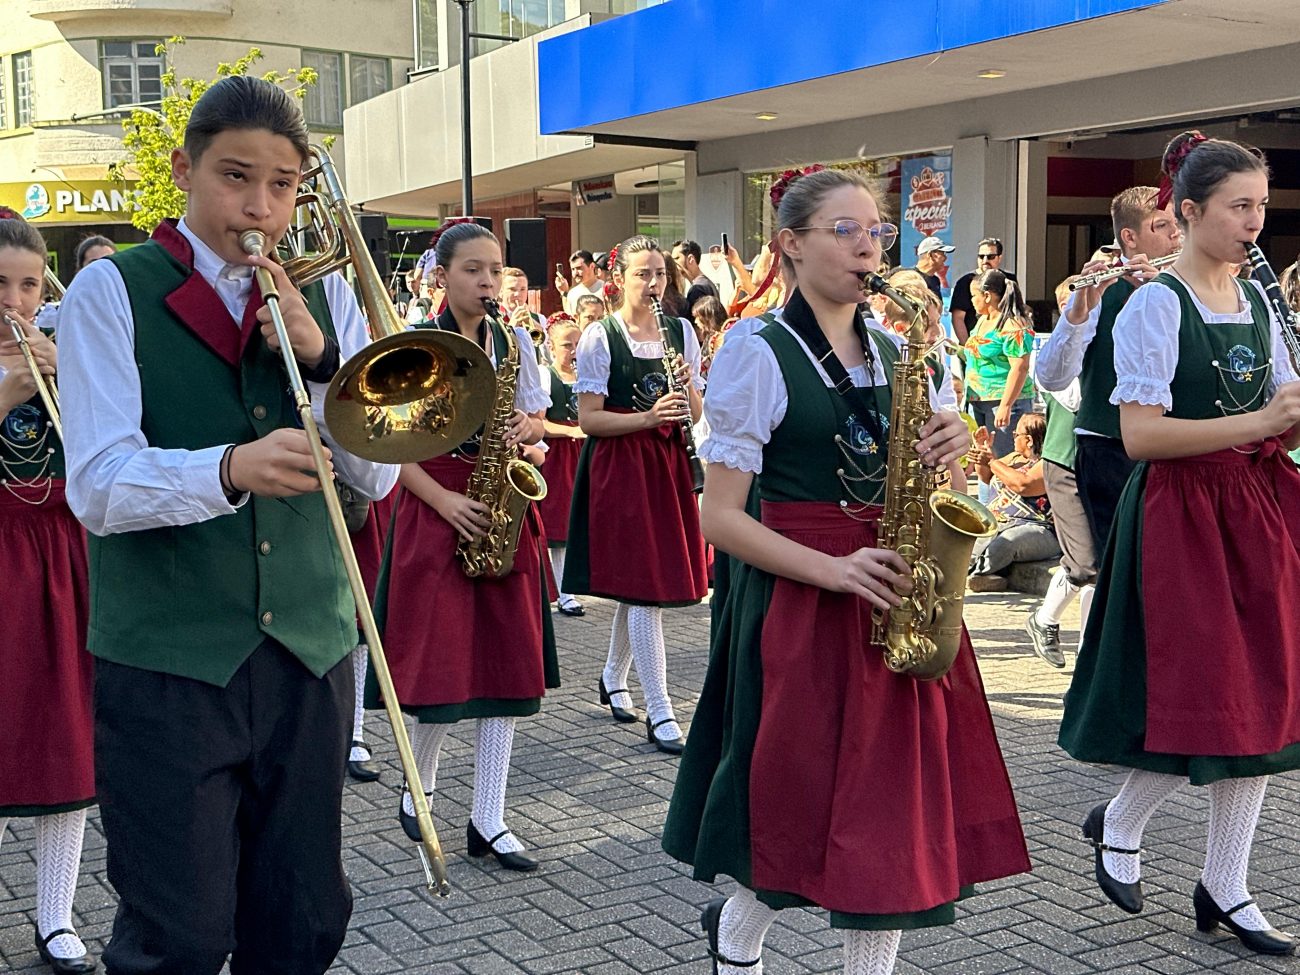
[[725, 245]]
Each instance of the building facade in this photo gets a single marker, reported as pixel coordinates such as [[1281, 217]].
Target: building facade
[[69, 69], [1004, 119]]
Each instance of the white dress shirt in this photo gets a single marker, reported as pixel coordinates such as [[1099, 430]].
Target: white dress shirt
[[593, 359], [117, 482]]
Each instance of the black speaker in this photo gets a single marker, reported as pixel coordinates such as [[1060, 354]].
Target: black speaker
[[526, 248], [374, 230]]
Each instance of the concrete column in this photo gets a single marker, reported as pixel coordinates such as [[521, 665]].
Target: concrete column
[[984, 198], [599, 226], [714, 204], [1031, 220]]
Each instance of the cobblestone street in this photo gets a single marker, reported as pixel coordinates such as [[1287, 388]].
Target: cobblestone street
[[588, 797]]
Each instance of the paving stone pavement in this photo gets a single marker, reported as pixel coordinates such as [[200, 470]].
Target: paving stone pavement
[[588, 797]]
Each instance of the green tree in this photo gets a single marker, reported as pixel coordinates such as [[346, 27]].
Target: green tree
[[151, 134]]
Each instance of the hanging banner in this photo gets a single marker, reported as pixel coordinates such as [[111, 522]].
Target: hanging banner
[[926, 191]]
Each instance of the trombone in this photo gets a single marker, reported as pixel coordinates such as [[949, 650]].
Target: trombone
[[45, 388], [405, 397]]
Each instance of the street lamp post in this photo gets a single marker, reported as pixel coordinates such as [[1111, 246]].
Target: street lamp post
[[466, 153]]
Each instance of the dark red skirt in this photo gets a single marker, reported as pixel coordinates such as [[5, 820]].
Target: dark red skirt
[[903, 797], [46, 675], [559, 470], [1221, 594], [369, 541], [634, 531], [451, 639]]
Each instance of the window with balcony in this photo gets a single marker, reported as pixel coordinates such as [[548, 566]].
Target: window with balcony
[[426, 34], [132, 72], [24, 108], [323, 104], [369, 77]]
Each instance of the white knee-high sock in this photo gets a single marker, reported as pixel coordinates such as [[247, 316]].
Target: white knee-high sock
[[557, 553], [742, 927], [870, 952], [1059, 593], [1234, 812], [1127, 815], [494, 740], [426, 744], [4, 821], [645, 629], [619, 661], [360, 659], [1085, 607], [58, 861]]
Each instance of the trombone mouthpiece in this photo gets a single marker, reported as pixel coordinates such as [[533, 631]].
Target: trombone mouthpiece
[[253, 242]]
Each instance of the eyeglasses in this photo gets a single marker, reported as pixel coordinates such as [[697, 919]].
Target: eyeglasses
[[849, 233]]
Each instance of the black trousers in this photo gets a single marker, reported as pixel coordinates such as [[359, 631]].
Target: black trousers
[[222, 811], [1101, 469], [1078, 555]]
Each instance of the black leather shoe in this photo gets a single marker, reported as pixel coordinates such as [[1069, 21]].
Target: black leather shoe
[[366, 771], [622, 715], [410, 825], [1046, 641], [673, 746], [709, 921], [479, 847], [573, 608], [1209, 916], [63, 966], [1127, 897]]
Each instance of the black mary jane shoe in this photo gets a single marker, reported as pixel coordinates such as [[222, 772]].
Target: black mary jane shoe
[[479, 847], [571, 609], [367, 771], [410, 825], [621, 715], [1127, 897], [63, 966], [1209, 916], [710, 918], [672, 746]]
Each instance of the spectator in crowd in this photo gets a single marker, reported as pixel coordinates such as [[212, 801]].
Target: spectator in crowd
[[708, 315], [674, 297], [92, 249], [932, 261], [585, 280], [423, 265], [588, 309], [686, 255], [1025, 531], [989, 258], [998, 388]]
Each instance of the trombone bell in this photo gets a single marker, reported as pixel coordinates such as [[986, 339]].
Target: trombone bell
[[410, 396]]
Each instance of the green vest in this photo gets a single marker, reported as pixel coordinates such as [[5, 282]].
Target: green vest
[[629, 375], [802, 460], [564, 404], [1059, 443], [197, 600], [1097, 377], [1222, 369]]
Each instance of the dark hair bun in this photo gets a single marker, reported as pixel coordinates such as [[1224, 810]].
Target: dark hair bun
[[1178, 149]]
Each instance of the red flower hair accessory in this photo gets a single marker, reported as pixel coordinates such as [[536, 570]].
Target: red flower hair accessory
[[1172, 163], [783, 182], [444, 227], [611, 290], [559, 317], [7, 213]]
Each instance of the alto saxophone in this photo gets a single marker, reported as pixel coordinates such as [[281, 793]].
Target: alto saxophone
[[933, 530], [502, 480]]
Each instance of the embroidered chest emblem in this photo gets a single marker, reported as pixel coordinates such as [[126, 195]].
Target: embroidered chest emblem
[[23, 425], [649, 389], [1241, 363], [859, 438]]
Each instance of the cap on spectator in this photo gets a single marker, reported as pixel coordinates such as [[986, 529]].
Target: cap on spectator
[[931, 244], [601, 260]]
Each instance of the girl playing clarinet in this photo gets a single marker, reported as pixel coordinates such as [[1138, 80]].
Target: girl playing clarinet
[[1193, 676]]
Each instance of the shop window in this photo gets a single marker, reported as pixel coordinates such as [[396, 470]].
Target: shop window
[[4, 98], [426, 34], [323, 104], [23, 94], [132, 72], [369, 77]]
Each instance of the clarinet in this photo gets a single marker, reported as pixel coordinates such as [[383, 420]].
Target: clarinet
[[1273, 291], [674, 386]]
